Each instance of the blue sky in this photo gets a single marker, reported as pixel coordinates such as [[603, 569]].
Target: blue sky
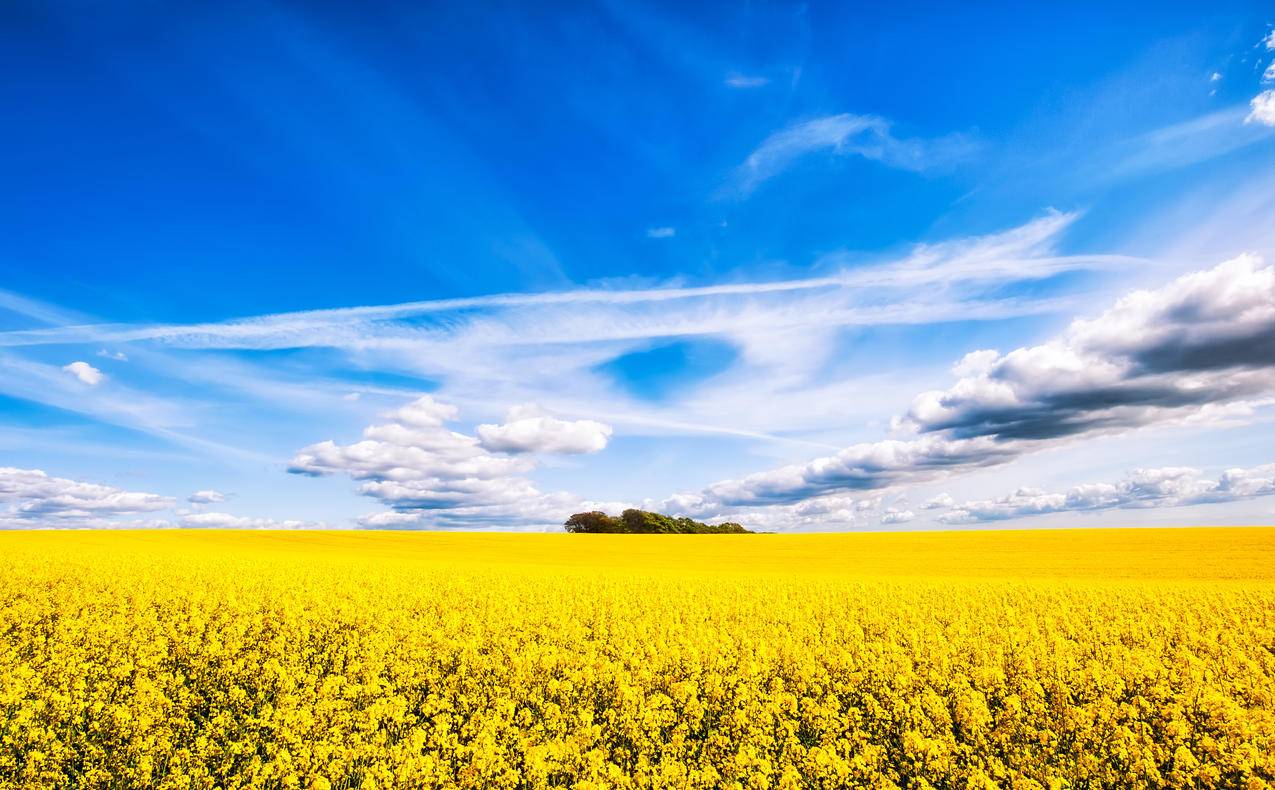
[[806, 266]]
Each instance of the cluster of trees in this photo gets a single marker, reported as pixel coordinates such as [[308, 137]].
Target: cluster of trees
[[644, 522]]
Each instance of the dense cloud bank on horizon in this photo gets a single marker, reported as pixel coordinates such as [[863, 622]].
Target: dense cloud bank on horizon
[[869, 466], [228, 521], [430, 475], [1142, 488], [34, 499], [1201, 345]]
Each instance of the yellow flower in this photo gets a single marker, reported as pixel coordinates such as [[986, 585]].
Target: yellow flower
[[180, 660]]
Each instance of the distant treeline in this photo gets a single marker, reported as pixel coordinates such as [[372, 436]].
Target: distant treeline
[[643, 522]]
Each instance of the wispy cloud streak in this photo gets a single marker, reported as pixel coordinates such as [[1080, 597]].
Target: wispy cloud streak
[[866, 136], [1021, 254]]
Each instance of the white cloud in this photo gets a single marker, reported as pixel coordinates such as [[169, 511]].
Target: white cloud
[[939, 502], [870, 466], [1204, 342], [118, 356], [494, 350], [1143, 488], [391, 519], [227, 521], [818, 513], [896, 516], [1262, 106], [85, 373], [425, 412], [1195, 140], [825, 512], [443, 478], [893, 291], [867, 136], [33, 498], [745, 81], [1205, 338], [206, 497], [528, 509], [526, 431], [661, 233], [1262, 109], [159, 416]]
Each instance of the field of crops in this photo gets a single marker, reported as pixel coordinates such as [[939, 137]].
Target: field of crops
[[1026, 659]]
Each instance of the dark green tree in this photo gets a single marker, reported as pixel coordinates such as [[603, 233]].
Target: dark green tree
[[594, 521], [644, 522]]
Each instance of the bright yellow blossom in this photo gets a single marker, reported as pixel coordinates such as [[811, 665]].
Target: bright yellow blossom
[[339, 660]]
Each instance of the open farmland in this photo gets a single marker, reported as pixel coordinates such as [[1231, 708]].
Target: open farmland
[[364, 659]]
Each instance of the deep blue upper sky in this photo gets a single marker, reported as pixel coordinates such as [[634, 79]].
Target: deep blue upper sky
[[177, 164]]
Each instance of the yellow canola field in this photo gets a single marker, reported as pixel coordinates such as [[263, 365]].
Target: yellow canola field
[[347, 659]]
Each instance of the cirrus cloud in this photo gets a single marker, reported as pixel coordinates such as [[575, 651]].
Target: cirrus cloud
[[866, 136]]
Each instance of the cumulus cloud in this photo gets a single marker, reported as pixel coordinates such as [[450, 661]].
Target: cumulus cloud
[[939, 502], [439, 477], [1202, 344], [897, 516], [1262, 106], [206, 497], [1262, 109], [1205, 338], [526, 431], [33, 498], [425, 412], [85, 373], [867, 136], [1142, 488], [118, 356]]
